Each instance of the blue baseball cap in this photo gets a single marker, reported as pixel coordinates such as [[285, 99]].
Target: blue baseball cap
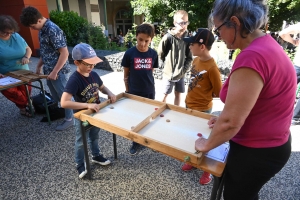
[[86, 53]]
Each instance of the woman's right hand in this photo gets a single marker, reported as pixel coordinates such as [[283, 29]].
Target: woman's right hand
[[212, 121], [1, 75]]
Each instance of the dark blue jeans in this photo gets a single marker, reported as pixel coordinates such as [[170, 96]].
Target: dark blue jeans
[[92, 136], [297, 108], [297, 68]]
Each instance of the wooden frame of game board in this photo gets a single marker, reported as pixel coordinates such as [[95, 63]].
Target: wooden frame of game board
[[195, 159]]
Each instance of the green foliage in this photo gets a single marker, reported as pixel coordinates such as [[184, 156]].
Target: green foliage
[[162, 11], [235, 54], [130, 36], [96, 38], [114, 47], [280, 10], [157, 38], [73, 25], [78, 29], [291, 53]]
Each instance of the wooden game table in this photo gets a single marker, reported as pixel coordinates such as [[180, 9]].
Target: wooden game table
[[26, 77], [169, 129]]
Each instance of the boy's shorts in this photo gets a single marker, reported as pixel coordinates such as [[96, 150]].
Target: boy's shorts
[[168, 86]]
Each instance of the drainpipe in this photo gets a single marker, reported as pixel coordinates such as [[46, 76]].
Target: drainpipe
[[105, 15], [58, 6]]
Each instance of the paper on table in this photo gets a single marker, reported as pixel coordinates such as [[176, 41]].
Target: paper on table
[[8, 80], [219, 153]]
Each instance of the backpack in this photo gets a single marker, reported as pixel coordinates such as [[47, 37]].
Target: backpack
[[55, 112], [38, 102]]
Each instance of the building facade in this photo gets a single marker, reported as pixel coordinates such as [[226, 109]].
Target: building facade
[[113, 15]]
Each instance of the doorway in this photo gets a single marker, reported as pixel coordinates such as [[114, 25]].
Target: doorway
[[123, 22]]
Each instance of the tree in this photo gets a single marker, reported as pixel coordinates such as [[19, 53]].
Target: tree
[[280, 10], [162, 11]]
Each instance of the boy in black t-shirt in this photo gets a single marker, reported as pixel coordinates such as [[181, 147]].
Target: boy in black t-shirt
[[84, 85], [139, 63]]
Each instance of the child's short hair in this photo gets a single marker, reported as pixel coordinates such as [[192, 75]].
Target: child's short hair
[[30, 15], [179, 13], [145, 28]]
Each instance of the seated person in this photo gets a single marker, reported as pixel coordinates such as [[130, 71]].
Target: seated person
[[15, 54]]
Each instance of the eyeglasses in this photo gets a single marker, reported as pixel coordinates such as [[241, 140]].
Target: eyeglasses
[[87, 64], [6, 33], [183, 23], [216, 31]]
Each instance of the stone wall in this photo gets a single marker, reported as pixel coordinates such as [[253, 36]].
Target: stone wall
[[111, 59], [112, 62]]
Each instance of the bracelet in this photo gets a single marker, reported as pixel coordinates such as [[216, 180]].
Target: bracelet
[[25, 57]]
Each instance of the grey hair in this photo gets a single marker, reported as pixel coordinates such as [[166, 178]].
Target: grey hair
[[253, 14]]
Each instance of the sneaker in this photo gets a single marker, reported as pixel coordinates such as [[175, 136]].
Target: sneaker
[[206, 178], [186, 167], [134, 148], [295, 121], [64, 125], [81, 170], [100, 160]]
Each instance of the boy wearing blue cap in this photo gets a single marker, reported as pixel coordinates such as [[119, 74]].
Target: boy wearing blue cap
[[84, 85], [205, 81]]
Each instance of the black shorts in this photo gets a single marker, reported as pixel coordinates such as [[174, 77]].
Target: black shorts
[[168, 86]]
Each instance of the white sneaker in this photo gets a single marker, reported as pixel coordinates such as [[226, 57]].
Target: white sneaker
[[295, 122]]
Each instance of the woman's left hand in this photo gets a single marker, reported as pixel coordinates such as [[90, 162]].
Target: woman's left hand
[[25, 61]]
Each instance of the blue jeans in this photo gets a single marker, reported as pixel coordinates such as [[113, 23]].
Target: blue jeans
[[92, 136], [297, 69], [57, 87], [297, 110], [205, 111]]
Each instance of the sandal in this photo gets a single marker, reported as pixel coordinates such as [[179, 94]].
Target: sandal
[[26, 112]]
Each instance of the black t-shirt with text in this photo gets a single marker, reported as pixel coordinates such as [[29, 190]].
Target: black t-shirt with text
[[84, 89], [140, 66]]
